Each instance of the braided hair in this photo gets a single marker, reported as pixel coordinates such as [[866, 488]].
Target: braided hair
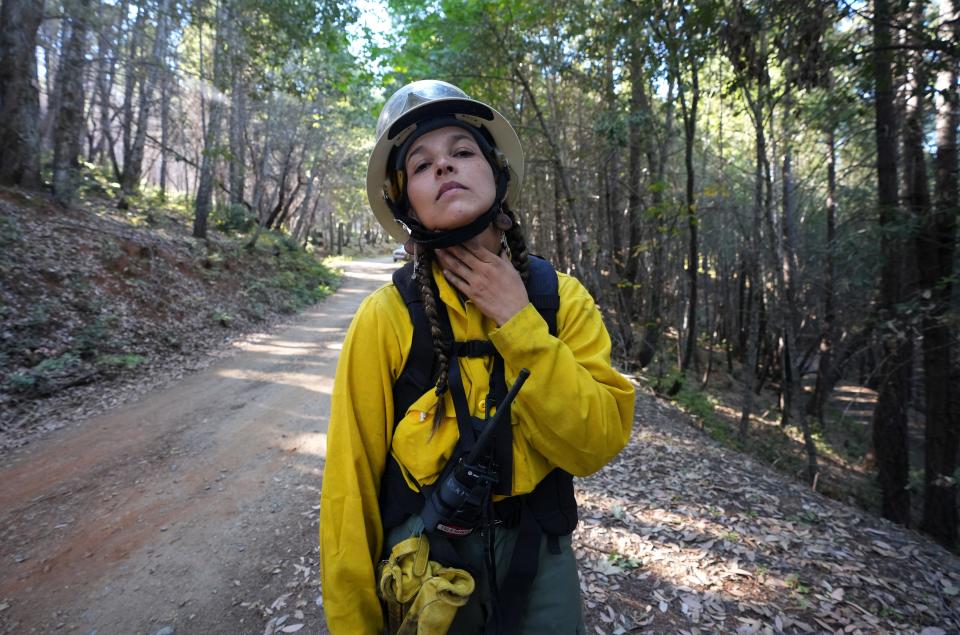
[[517, 245]]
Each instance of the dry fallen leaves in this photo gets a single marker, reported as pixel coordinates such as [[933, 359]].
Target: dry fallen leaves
[[719, 543]]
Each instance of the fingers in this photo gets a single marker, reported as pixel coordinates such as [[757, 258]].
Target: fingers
[[458, 282], [452, 263], [476, 252]]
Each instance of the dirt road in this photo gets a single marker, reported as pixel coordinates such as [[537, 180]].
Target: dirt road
[[191, 511]]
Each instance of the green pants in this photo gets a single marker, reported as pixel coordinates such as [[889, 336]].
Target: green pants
[[554, 604]]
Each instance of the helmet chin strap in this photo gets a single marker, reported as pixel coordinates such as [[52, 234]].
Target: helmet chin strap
[[449, 237]]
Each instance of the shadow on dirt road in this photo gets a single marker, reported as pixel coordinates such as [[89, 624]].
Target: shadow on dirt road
[[194, 509]]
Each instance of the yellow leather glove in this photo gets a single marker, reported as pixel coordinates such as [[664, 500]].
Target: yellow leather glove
[[436, 604], [404, 572]]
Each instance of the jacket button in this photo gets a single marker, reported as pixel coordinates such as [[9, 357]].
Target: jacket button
[[482, 406]]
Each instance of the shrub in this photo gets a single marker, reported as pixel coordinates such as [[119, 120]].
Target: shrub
[[222, 318], [41, 377], [233, 217], [128, 360], [90, 339]]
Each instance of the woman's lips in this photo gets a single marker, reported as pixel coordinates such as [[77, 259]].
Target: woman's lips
[[449, 185]]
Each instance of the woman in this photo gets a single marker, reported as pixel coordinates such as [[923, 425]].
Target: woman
[[442, 177]]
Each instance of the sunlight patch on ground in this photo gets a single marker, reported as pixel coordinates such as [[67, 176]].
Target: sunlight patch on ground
[[307, 381], [312, 443], [369, 275], [279, 347]]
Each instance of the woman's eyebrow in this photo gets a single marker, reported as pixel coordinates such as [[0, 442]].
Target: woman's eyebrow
[[460, 137], [453, 140]]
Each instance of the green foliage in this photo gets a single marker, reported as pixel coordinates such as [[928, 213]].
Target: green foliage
[[299, 278], [55, 364], [97, 180], [9, 233], [702, 406], [222, 318], [793, 582], [623, 561], [256, 311], [808, 517], [916, 480], [92, 338], [41, 377], [233, 218], [120, 362], [20, 382]]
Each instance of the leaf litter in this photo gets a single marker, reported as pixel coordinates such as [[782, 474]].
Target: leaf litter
[[679, 534]]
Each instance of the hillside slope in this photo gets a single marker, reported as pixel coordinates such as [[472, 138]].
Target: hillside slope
[[97, 303]]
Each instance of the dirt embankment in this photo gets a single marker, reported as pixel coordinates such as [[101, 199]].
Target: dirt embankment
[[97, 303]]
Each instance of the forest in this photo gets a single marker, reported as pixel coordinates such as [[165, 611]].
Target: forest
[[762, 196]]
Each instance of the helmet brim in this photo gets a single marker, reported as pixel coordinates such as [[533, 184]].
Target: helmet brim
[[468, 110]]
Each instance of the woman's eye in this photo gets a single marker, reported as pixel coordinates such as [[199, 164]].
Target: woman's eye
[[420, 168], [463, 153]]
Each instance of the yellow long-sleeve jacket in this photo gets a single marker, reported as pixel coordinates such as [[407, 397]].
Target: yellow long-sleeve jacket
[[574, 412]]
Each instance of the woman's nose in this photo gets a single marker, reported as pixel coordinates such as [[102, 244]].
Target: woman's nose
[[443, 165]]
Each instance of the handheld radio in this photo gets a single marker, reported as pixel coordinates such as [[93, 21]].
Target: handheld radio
[[456, 505]]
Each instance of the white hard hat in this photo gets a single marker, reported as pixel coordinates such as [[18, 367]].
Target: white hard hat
[[419, 102]]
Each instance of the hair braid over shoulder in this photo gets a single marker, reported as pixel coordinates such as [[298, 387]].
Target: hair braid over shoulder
[[517, 244], [424, 271]]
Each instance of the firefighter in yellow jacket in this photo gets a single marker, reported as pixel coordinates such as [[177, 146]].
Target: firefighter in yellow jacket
[[442, 177]]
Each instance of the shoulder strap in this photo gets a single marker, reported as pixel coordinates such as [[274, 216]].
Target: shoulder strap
[[419, 372], [543, 290]]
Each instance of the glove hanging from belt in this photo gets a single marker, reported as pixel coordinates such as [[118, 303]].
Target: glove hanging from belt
[[421, 596]]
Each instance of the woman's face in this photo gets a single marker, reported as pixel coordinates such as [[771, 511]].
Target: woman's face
[[449, 182]]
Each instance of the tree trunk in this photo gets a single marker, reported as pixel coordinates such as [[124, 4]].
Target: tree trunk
[[657, 164], [305, 211], [238, 123], [890, 415], [261, 174], [129, 88], [53, 36], [19, 93], [936, 246], [105, 81], [637, 112], [790, 268], [133, 163], [281, 191], [285, 213], [212, 138], [560, 229], [166, 87], [693, 259], [67, 137], [752, 353], [817, 402], [753, 269]]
